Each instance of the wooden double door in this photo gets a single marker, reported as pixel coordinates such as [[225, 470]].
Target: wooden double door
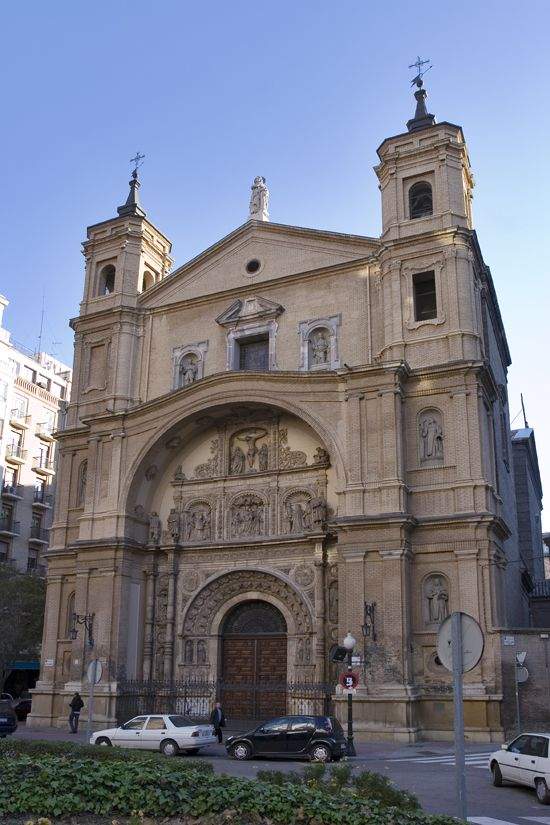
[[254, 676]]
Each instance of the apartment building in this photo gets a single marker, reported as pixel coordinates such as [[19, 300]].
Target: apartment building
[[34, 390]]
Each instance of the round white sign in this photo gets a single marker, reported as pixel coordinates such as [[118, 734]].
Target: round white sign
[[97, 673], [472, 643], [522, 674]]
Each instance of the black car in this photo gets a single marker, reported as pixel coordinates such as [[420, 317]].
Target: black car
[[319, 738], [8, 719]]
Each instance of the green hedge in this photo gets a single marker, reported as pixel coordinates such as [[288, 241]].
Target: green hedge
[[13, 748], [56, 786]]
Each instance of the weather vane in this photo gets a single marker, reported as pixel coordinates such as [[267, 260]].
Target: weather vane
[[138, 161], [418, 64]]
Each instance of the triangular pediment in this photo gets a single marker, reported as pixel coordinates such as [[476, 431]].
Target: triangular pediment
[[251, 308], [281, 251]]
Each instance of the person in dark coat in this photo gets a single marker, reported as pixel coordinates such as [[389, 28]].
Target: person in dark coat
[[217, 719], [76, 704]]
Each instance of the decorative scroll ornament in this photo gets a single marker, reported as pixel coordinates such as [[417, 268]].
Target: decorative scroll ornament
[[211, 467]]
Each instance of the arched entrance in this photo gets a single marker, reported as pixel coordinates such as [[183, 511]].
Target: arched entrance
[[254, 661]]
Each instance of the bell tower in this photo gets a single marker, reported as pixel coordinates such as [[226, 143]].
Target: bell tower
[[425, 176], [125, 257]]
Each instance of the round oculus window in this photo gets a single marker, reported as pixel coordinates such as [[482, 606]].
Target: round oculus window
[[253, 266]]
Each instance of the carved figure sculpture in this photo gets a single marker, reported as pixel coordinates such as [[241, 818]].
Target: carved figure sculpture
[[320, 347], [202, 525], [247, 518], [188, 652], [307, 651], [259, 200], [154, 528], [189, 370], [263, 458], [321, 456], [179, 475], [201, 652], [237, 461], [437, 597], [299, 651], [295, 515], [174, 525], [317, 513], [431, 438]]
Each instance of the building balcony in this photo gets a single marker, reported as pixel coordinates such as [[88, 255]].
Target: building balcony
[[43, 465], [12, 490], [39, 534], [15, 454], [44, 431], [42, 499], [19, 419], [9, 527]]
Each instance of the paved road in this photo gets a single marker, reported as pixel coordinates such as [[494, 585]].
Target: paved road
[[426, 769]]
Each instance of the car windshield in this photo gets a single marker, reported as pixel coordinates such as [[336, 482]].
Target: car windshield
[[182, 721]]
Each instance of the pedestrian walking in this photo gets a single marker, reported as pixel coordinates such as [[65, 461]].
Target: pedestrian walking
[[217, 719], [76, 704]]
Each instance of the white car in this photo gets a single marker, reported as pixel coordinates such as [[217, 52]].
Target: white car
[[524, 761], [168, 733]]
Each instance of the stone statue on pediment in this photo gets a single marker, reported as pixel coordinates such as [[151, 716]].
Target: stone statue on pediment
[[259, 200]]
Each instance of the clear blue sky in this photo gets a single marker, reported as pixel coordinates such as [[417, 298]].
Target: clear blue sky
[[301, 92]]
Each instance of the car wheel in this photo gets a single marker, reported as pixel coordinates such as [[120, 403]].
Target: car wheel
[[169, 748], [241, 751], [320, 753], [103, 740], [543, 795], [497, 775]]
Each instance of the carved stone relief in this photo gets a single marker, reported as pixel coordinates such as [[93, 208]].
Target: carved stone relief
[[189, 581], [304, 575], [435, 592], [248, 451], [296, 512], [198, 522], [333, 602], [173, 523], [151, 472], [201, 652], [212, 466], [289, 459], [247, 516], [210, 599], [430, 432], [155, 530]]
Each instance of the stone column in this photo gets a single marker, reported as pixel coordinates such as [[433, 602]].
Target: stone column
[[320, 643], [170, 613], [395, 613], [150, 577]]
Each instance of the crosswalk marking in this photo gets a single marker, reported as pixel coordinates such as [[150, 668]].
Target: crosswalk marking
[[489, 820], [542, 820], [473, 760]]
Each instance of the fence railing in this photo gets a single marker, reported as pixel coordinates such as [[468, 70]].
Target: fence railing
[[241, 701]]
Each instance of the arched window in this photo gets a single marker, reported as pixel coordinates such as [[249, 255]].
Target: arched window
[[148, 280], [106, 283], [420, 200]]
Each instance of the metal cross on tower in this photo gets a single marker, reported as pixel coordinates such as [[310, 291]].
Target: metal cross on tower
[[418, 64], [138, 160]]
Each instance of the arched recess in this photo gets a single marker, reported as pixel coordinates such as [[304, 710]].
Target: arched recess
[[154, 455], [205, 615]]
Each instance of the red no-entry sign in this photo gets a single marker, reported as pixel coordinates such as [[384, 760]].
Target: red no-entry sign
[[349, 681]]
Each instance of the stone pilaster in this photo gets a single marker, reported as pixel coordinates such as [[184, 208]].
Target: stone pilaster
[[148, 642]]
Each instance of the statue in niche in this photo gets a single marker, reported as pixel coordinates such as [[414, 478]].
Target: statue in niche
[[197, 525], [174, 525], [201, 652], [188, 652], [300, 651], [295, 512], [437, 597], [179, 475], [81, 484], [431, 437], [247, 518], [189, 370], [259, 200], [307, 651], [321, 456], [236, 467], [154, 528], [263, 457], [320, 347], [316, 513]]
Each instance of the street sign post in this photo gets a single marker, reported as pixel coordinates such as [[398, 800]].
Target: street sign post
[[459, 648], [349, 681], [95, 672]]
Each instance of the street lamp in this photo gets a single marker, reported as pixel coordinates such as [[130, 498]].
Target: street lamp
[[349, 644], [88, 621]]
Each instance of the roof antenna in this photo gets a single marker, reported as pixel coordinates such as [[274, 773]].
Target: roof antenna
[[525, 424]]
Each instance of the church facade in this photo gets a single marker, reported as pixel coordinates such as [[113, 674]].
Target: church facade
[[296, 434]]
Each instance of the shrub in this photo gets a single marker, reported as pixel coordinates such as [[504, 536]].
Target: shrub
[[376, 786], [57, 786], [279, 777]]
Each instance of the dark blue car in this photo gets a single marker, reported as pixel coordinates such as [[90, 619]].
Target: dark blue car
[[8, 719]]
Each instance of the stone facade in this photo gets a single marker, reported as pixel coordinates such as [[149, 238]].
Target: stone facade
[[331, 440]]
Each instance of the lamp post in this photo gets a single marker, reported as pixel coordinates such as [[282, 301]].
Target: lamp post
[[349, 644], [88, 621]]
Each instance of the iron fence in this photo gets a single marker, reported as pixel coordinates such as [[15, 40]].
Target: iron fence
[[241, 701]]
